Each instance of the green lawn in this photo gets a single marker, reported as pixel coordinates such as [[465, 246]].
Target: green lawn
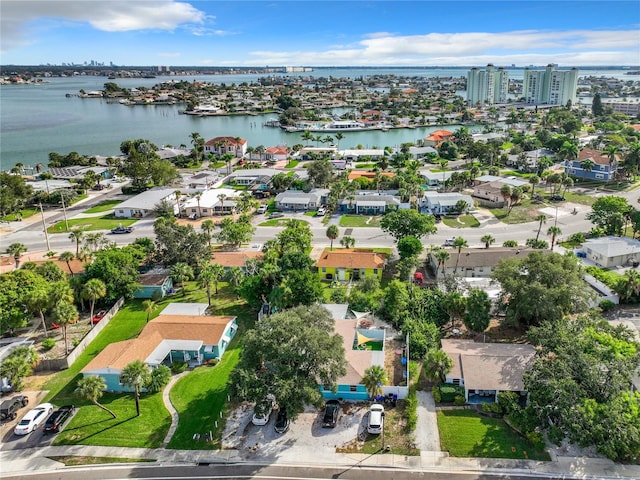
[[103, 206], [579, 198], [359, 221], [461, 221], [292, 164], [106, 222], [93, 426], [26, 213], [464, 433], [366, 165]]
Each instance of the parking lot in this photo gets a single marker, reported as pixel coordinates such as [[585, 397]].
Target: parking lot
[[305, 431]]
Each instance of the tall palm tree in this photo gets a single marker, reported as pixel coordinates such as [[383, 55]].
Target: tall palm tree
[[16, 249], [542, 219], [136, 375], [612, 152], [487, 240], [339, 136], [373, 379], [178, 194], [149, 306], [198, 143], [208, 226], [459, 243], [554, 231], [91, 388], [441, 256], [198, 197], [307, 136], [221, 198], [37, 301], [180, 273], [93, 290], [207, 278], [533, 181], [65, 314], [332, 233], [67, 257], [587, 165], [437, 364]]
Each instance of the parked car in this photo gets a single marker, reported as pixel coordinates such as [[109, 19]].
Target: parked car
[[331, 412], [449, 242], [261, 209], [120, 229], [55, 422], [321, 212], [10, 407], [557, 198], [376, 419], [33, 419], [262, 411], [276, 215], [282, 421], [98, 316]]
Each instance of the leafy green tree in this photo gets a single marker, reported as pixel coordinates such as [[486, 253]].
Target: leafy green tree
[[37, 300], [374, 378], [65, 314], [235, 233], [14, 192], [18, 365], [180, 273], [395, 301], [477, 316], [159, 378], [541, 287], [455, 305], [424, 336], [320, 173], [609, 214], [14, 287], [332, 233], [596, 105], [407, 222], [118, 270], [136, 375], [288, 354], [94, 289], [409, 247], [301, 287], [179, 244], [92, 388], [51, 272], [437, 364]]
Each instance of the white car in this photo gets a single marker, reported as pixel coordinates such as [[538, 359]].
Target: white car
[[262, 411], [376, 419], [321, 212], [33, 419]]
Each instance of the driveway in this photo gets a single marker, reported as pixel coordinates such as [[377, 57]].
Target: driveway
[[427, 435]]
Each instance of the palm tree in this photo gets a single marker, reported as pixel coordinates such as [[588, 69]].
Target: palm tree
[[208, 226], [64, 314], [612, 152], [149, 306], [37, 301], [210, 275], [307, 136], [533, 181], [459, 243], [505, 191], [437, 364], [135, 375], [332, 233], [178, 194], [198, 197], [16, 249], [373, 379], [554, 231], [198, 143], [180, 273], [91, 388], [76, 235], [339, 136], [487, 240], [441, 256], [93, 290], [221, 198], [67, 257], [347, 242], [542, 219], [234, 276], [568, 151], [587, 165]]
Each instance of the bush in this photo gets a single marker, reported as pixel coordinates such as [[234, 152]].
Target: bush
[[606, 305], [508, 402], [459, 400], [338, 296], [48, 344], [436, 394], [179, 367], [411, 408], [448, 392]]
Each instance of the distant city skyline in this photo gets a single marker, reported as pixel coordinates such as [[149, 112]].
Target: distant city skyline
[[313, 33]]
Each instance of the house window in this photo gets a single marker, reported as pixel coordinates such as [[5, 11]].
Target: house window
[[204, 210], [456, 381], [599, 175], [353, 388], [324, 269], [375, 271]]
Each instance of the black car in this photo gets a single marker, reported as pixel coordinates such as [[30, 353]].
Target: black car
[[331, 411], [55, 422], [282, 421], [557, 198], [121, 229], [10, 407]]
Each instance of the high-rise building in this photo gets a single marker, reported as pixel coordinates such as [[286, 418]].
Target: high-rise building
[[487, 86], [550, 86]]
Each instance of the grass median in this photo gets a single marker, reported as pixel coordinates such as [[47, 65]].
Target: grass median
[[106, 222]]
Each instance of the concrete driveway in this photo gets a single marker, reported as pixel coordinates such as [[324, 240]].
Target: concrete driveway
[[427, 435]]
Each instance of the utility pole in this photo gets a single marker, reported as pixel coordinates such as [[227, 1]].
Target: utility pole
[[44, 227], [64, 211]]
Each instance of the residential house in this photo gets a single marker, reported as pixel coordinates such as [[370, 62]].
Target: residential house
[[144, 203], [312, 153], [488, 190], [347, 264], [77, 172], [528, 161], [422, 153], [353, 174], [201, 180], [592, 164], [277, 153], [235, 146], [252, 176], [167, 153], [156, 283], [475, 262], [164, 340], [369, 204], [236, 259], [215, 201], [189, 309], [610, 252], [486, 369], [435, 179], [436, 137], [445, 203], [513, 182], [298, 200]]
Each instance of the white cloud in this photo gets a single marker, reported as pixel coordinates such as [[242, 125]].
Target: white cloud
[[18, 16]]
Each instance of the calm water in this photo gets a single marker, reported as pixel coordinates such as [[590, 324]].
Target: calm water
[[38, 119]]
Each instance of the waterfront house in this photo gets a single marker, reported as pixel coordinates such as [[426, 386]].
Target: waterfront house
[[610, 252], [370, 154], [486, 369], [369, 204], [164, 340], [77, 172], [423, 153], [235, 146], [347, 264], [201, 180], [436, 138], [277, 153], [592, 164], [475, 262], [445, 203], [144, 203], [156, 283], [297, 200], [313, 153]]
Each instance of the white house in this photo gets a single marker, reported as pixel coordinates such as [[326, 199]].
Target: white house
[[210, 202], [357, 155], [143, 204], [297, 200], [443, 203], [435, 179], [609, 252]]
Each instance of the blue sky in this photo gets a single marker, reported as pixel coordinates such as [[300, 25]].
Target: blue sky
[[320, 33]]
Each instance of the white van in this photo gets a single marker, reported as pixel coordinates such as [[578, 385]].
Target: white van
[[262, 208], [376, 419]]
